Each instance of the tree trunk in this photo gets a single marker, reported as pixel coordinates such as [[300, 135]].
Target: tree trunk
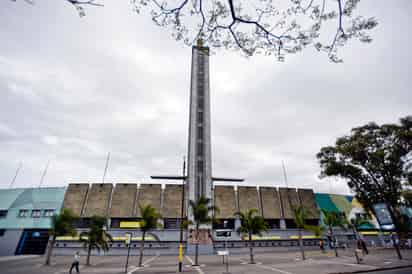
[[396, 217], [197, 245], [141, 249], [302, 251], [89, 251], [50, 250], [334, 241], [252, 260]]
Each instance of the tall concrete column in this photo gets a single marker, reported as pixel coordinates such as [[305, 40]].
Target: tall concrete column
[[199, 182]]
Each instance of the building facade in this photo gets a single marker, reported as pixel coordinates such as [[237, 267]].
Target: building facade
[[25, 218]]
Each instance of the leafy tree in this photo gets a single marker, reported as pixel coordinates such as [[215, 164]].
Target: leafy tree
[[300, 214], [257, 26], [201, 210], [149, 221], [374, 161], [333, 219], [251, 224], [96, 237], [61, 225]]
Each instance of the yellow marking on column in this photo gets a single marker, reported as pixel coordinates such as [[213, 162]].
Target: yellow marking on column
[[180, 253]]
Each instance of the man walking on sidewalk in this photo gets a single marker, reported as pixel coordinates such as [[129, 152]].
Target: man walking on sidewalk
[[75, 263]]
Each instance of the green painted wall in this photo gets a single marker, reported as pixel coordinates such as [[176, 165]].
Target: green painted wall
[[14, 200]]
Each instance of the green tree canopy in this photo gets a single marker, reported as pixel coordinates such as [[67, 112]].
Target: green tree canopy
[[373, 160]]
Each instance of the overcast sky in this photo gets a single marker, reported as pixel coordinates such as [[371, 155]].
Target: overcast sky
[[73, 89]]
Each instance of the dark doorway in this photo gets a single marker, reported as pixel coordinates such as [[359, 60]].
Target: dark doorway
[[33, 241]]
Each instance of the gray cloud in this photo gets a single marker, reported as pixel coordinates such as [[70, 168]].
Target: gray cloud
[[74, 89]]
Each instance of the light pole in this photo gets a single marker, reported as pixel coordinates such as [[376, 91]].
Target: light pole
[[129, 243], [182, 216]]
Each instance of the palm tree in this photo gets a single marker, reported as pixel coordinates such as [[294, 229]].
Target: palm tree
[[356, 223], [331, 220], [251, 224], [150, 220], [96, 237], [61, 225], [300, 214], [201, 210]]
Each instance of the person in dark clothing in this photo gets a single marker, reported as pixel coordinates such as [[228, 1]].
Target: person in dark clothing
[[75, 263], [364, 247]]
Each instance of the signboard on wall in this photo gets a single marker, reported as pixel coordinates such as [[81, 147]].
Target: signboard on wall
[[383, 216]]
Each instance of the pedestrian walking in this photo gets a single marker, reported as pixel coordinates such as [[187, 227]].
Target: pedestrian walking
[[76, 261], [359, 251], [322, 245], [364, 247]]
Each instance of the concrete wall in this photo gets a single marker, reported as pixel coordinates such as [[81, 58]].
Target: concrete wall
[[172, 201], [75, 197], [123, 200], [225, 200], [271, 208], [307, 198], [98, 200], [149, 195], [248, 198], [9, 241], [286, 195]]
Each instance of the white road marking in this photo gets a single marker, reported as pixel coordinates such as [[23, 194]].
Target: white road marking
[[338, 263], [259, 264], [274, 269], [145, 264], [198, 269]]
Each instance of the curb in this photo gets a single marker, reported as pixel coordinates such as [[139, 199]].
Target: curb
[[375, 270]]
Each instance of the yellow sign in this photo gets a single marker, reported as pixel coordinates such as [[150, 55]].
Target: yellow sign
[[254, 237], [304, 237], [369, 232], [129, 224]]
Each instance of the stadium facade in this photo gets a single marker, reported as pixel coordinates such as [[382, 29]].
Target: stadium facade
[[25, 214]]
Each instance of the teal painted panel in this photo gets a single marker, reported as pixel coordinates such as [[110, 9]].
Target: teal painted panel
[[8, 196], [325, 202], [29, 199]]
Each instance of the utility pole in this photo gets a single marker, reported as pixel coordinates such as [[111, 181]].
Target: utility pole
[[44, 173], [15, 175], [106, 167], [182, 216], [182, 213]]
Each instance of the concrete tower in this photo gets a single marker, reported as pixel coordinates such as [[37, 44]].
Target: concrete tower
[[199, 177]]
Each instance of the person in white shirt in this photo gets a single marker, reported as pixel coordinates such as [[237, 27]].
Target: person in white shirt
[[75, 263]]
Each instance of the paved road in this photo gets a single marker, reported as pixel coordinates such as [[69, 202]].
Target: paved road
[[395, 271], [266, 262]]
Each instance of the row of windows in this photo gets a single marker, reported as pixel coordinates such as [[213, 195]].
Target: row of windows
[[36, 213]]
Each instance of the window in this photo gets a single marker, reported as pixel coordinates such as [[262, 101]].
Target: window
[[23, 213], [48, 213], [3, 213], [2, 231], [36, 213]]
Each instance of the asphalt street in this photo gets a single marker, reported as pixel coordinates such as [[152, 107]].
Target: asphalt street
[[266, 262]]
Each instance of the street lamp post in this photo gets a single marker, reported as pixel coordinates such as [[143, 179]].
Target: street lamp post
[[181, 217], [129, 243]]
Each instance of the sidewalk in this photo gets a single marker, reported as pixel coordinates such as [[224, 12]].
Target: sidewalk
[[15, 258], [346, 262]]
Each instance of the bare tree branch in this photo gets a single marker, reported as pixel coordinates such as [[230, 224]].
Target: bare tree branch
[[256, 26]]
